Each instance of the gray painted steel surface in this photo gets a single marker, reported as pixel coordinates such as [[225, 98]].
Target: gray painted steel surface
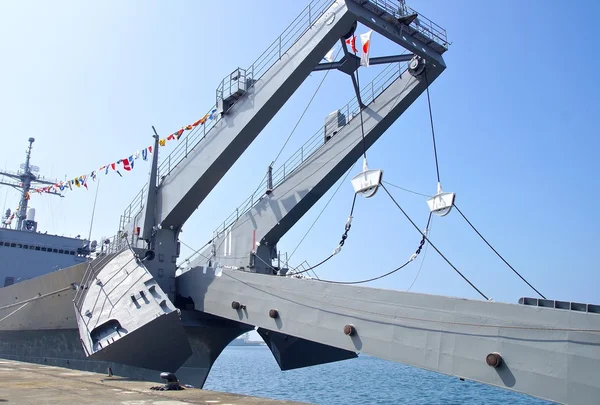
[[292, 352], [41, 303], [25, 254], [38, 325], [185, 188], [124, 316], [62, 347], [546, 352], [275, 213]]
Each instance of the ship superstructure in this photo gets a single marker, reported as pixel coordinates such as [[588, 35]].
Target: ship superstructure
[[135, 311], [25, 251]]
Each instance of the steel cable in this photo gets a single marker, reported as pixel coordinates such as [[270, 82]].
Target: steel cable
[[432, 245], [498, 254]]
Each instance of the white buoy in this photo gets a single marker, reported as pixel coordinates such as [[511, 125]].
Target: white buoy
[[441, 203], [367, 182]]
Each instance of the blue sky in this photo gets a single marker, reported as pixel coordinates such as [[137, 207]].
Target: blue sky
[[514, 113]]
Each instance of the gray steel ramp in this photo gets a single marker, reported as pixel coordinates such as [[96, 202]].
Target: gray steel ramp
[[545, 352], [124, 316]]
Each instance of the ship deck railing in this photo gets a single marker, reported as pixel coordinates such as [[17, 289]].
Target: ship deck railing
[[421, 27], [115, 245], [431, 33]]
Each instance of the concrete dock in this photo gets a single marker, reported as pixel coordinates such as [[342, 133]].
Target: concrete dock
[[35, 384]]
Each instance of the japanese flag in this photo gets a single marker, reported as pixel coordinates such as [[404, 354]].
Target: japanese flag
[[352, 42], [365, 39]]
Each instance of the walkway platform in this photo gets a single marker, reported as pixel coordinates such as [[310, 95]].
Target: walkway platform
[[33, 384]]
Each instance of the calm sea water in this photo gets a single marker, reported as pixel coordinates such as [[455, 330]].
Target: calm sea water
[[366, 380]]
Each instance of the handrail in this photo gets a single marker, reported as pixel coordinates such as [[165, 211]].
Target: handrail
[[92, 272], [115, 246], [307, 17], [315, 142], [261, 65], [422, 24], [138, 202]]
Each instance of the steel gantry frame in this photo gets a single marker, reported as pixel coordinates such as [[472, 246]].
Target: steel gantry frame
[[548, 352]]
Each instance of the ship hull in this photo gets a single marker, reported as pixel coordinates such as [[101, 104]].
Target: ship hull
[[38, 325], [41, 303], [61, 348]]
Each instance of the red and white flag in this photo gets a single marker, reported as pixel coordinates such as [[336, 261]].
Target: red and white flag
[[352, 42], [127, 163], [365, 39], [329, 56]]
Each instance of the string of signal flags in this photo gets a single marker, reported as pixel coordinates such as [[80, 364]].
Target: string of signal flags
[[128, 163], [365, 40], [125, 164]]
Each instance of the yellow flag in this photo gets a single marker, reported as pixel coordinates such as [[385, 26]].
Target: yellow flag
[[162, 142]]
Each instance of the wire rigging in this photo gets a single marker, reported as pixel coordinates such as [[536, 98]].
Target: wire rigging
[[339, 246], [437, 168], [498, 254], [362, 124], [321, 213], [421, 266], [405, 189], [348, 223], [194, 251], [304, 112], [432, 245], [295, 126], [354, 200], [413, 257], [93, 211]]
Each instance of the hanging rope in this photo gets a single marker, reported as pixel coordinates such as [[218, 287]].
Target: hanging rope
[[413, 257], [295, 126], [405, 189], [339, 246], [497, 254], [437, 168], [321, 213], [421, 266], [362, 124], [194, 252], [304, 112], [432, 245]]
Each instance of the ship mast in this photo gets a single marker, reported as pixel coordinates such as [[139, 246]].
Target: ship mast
[[25, 179]]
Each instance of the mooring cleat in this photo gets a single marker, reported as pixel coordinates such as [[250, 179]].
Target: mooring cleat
[[171, 385]]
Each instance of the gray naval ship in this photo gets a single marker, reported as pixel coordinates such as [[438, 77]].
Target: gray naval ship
[[129, 307]]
